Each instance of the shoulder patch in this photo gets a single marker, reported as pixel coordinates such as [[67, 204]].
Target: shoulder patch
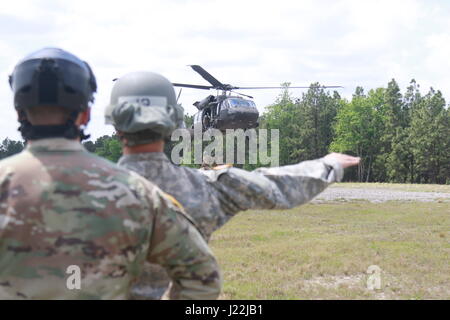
[[173, 200], [183, 212], [223, 166]]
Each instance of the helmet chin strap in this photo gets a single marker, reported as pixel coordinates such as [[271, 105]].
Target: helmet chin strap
[[69, 130]]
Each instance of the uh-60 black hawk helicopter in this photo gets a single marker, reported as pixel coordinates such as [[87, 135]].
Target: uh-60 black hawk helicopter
[[226, 111]]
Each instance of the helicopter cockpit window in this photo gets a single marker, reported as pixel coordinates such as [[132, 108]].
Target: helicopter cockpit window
[[224, 104], [240, 103]]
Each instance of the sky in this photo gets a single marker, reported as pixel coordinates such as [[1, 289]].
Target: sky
[[244, 43]]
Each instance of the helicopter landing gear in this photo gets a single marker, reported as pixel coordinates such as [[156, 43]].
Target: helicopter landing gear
[[206, 121]]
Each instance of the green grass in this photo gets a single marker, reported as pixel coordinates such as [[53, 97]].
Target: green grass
[[322, 251], [397, 186]]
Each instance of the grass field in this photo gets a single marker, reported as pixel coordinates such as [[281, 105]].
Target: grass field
[[323, 251]]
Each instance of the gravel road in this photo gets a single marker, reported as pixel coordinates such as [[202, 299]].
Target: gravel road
[[378, 195]]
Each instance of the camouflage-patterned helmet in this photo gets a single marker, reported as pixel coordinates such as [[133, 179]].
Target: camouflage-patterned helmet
[[144, 101]]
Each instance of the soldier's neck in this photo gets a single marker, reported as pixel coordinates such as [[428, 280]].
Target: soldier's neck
[[157, 146], [30, 142]]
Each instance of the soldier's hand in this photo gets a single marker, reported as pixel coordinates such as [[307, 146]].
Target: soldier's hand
[[344, 159]]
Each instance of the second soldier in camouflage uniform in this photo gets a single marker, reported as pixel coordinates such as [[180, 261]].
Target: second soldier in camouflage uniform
[[144, 111], [63, 209]]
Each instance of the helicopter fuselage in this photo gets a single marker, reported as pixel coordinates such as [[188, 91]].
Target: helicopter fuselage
[[226, 112]]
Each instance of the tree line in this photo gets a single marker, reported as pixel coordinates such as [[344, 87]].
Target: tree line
[[106, 146], [400, 137]]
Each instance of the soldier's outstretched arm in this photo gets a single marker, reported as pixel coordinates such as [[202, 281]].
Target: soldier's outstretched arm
[[278, 187], [177, 245]]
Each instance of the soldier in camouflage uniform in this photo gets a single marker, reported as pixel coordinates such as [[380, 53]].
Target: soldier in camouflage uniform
[[64, 210], [144, 111]]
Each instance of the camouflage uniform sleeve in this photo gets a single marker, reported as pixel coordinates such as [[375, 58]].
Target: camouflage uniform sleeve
[[274, 188], [177, 245]]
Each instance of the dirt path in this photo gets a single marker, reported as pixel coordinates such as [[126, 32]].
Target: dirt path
[[379, 195]]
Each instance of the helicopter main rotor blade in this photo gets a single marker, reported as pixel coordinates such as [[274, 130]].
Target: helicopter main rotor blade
[[248, 88], [179, 94], [205, 74], [193, 86], [245, 95]]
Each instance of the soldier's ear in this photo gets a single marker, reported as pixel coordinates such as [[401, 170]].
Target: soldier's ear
[[84, 117], [122, 139]]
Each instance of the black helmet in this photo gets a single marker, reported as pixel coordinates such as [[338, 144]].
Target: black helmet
[[52, 77], [55, 77]]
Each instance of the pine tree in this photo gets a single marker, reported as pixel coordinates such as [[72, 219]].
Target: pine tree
[[358, 130], [430, 131], [400, 162], [393, 120], [305, 124]]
